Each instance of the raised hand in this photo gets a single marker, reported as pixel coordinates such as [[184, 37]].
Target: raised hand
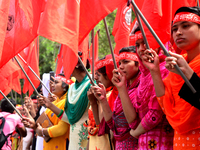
[[91, 97], [99, 92], [28, 103], [119, 78], [44, 101], [181, 62], [151, 60], [28, 121]]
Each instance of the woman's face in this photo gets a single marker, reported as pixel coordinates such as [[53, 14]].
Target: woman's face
[[96, 77], [104, 80], [140, 46], [129, 68], [186, 35], [57, 88]]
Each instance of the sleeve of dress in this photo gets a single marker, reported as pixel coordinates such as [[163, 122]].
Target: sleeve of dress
[[19, 122], [110, 124], [58, 130], [152, 119], [64, 117], [186, 94]]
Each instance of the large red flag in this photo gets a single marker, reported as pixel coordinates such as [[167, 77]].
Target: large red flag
[[121, 28], [20, 28], [9, 77], [70, 59], [93, 11], [31, 56], [60, 22], [159, 14]]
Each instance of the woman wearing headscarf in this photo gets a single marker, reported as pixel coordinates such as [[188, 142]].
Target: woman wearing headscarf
[[183, 117]]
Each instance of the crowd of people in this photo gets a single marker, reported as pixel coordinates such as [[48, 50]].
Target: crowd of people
[[144, 104]]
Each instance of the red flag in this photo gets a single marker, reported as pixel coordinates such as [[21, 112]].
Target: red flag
[[9, 74], [32, 59], [93, 11], [70, 59], [20, 28], [83, 47], [60, 22], [121, 29], [96, 49], [159, 14]]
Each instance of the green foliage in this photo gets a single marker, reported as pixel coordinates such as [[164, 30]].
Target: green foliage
[[104, 48], [48, 53]]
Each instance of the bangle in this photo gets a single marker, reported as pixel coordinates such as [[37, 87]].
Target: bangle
[[43, 133], [61, 112]]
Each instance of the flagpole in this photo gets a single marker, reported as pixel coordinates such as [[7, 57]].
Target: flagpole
[[26, 75], [35, 74], [141, 28], [111, 49], [88, 74], [11, 104], [162, 46], [92, 54]]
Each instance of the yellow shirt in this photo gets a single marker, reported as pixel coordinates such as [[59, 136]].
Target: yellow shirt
[[59, 133]]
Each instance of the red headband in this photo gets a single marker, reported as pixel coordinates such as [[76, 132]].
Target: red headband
[[34, 101], [105, 62], [64, 79], [138, 35], [128, 55], [186, 16]]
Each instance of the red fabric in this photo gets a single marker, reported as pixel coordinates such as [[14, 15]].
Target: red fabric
[[159, 14], [20, 28], [96, 49], [112, 97], [9, 74], [121, 28], [60, 23], [186, 16], [70, 59], [31, 56], [83, 47], [93, 11], [128, 55]]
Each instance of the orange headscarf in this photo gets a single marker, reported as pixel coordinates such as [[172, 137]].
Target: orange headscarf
[[181, 115]]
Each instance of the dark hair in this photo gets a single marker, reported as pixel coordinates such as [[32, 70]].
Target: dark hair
[[128, 49], [195, 10], [39, 88], [64, 85], [131, 49], [79, 66], [6, 107], [137, 29], [103, 69]]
